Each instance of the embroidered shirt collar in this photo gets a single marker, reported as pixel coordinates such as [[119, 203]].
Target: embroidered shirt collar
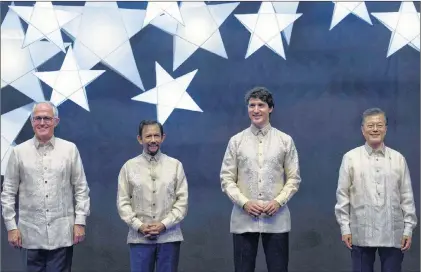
[[150, 158], [370, 150], [255, 130], [38, 144]]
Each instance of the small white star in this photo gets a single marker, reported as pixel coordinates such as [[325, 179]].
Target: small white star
[[169, 93], [405, 27], [156, 9], [343, 9], [69, 82]]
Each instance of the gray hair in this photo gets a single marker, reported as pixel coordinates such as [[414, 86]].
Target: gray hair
[[55, 110], [371, 112]]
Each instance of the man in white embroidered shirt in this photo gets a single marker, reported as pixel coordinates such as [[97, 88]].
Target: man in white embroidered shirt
[[152, 200], [260, 173], [47, 173], [375, 205]]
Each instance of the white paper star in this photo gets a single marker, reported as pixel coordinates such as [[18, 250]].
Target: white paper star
[[169, 93], [102, 34], [12, 123], [405, 27], [343, 9], [156, 9], [44, 22], [265, 28], [286, 8], [200, 29], [69, 82], [17, 63]]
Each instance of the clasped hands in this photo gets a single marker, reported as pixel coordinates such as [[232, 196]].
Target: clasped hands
[[152, 230], [254, 208]]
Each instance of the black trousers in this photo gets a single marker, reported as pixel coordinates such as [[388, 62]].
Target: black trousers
[[363, 259], [275, 246], [42, 260]]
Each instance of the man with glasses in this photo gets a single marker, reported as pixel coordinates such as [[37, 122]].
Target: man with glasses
[[46, 173], [375, 205], [152, 200]]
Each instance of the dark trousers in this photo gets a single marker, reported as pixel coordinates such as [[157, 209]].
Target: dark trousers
[[42, 260], [275, 246], [363, 259], [143, 257]]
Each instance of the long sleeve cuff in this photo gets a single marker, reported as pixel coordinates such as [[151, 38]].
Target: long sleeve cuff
[[242, 200], [80, 220], [345, 230], [11, 224], [407, 231], [167, 223], [136, 223], [281, 199]]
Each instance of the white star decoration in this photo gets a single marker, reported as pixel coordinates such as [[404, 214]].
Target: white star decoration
[[156, 9], [265, 28], [44, 22], [69, 82], [102, 34], [343, 9], [169, 93], [286, 8], [12, 123], [17, 63], [200, 29], [405, 27]]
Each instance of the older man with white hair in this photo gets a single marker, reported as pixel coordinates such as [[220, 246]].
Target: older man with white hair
[[46, 173]]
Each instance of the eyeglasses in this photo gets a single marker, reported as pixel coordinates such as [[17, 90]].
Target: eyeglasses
[[38, 119], [372, 126]]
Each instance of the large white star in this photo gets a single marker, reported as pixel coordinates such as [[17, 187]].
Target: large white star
[[17, 63], [169, 93], [12, 123], [69, 82], [102, 34], [265, 28], [200, 29], [405, 27], [286, 8], [156, 9], [343, 9], [44, 22]]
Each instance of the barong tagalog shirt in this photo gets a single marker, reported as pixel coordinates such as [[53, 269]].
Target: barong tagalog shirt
[[261, 165], [153, 189], [375, 201], [46, 177]]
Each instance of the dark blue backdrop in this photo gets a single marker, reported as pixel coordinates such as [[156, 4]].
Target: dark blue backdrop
[[320, 90]]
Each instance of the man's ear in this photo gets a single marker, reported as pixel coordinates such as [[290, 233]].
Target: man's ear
[[163, 138], [56, 121], [139, 139]]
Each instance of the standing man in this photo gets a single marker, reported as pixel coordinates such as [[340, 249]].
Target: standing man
[[260, 173], [152, 200], [47, 173], [375, 205]]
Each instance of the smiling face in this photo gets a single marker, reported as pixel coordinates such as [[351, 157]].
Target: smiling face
[[43, 122], [374, 129], [259, 112], [151, 139]]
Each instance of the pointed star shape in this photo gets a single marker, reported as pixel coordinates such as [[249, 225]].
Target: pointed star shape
[[102, 34], [169, 93], [265, 28], [69, 82], [286, 8], [200, 29], [44, 21], [343, 9], [404, 25], [17, 63], [156, 9], [12, 123]]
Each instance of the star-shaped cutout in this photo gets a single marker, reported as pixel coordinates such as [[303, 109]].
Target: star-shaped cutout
[[102, 34], [286, 8], [169, 93], [12, 123], [17, 63], [156, 9], [44, 21], [265, 28], [343, 9], [200, 29], [69, 82], [405, 27]]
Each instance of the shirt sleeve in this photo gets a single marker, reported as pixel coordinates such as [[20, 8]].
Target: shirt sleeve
[[342, 207], [407, 202], [10, 189]]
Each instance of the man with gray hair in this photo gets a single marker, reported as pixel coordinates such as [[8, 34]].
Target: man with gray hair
[[46, 173], [375, 205]]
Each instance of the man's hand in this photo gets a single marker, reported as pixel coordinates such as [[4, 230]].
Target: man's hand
[[253, 208], [14, 238], [347, 239], [151, 231], [406, 243], [271, 207], [78, 234]]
